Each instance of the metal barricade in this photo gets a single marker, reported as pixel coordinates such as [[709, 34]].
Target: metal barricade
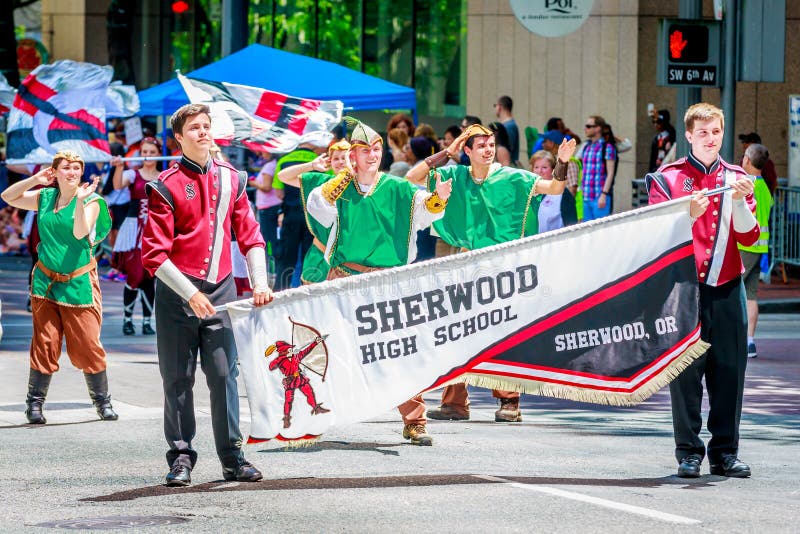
[[784, 227], [639, 193]]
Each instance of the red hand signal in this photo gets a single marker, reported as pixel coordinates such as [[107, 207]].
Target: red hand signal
[[676, 44]]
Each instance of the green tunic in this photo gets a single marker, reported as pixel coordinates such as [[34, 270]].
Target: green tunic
[[59, 251], [315, 267], [374, 229], [497, 210]]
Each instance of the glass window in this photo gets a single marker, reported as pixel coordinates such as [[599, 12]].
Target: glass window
[[440, 34], [195, 35], [417, 43]]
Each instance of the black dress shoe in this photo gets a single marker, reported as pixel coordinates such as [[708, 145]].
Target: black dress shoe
[[690, 466], [179, 476], [127, 328], [243, 472], [731, 466]]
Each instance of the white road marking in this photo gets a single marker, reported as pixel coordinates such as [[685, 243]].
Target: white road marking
[[226, 485], [638, 510]]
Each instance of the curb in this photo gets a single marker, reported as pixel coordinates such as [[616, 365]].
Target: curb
[[779, 306]]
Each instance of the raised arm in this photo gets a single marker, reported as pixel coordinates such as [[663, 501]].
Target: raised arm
[[119, 179], [85, 214], [20, 195], [429, 207], [556, 186], [418, 175], [291, 175]]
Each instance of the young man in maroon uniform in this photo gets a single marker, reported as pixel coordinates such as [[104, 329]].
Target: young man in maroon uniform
[[186, 245], [720, 222]]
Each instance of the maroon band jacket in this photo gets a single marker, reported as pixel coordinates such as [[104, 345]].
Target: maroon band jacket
[[715, 251], [192, 210]]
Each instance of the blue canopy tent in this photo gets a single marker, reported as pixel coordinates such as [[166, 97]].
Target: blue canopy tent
[[291, 74]]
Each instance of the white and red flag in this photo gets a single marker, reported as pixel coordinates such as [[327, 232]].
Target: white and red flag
[[603, 312], [60, 106], [262, 120], [6, 95]]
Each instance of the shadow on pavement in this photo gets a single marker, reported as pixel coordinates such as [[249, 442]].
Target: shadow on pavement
[[27, 425], [311, 483], [342, 446]]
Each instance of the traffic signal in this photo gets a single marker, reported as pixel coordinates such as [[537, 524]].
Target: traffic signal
[[688, 44], [180, 7], [689, 53]]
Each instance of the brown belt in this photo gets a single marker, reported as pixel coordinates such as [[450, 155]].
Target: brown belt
[[319, 245], [357, 267], [61, 277]]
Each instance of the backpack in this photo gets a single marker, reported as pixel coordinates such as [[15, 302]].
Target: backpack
[[579, 193]]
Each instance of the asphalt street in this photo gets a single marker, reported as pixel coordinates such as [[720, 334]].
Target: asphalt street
[[568, 467]]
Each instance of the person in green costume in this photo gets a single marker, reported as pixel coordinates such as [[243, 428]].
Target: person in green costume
[[373, 220], [307, 177], [65, 290], [490, 204]]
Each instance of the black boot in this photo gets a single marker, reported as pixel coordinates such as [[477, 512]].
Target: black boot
[[38, 384], [127, 327], [98, 391]]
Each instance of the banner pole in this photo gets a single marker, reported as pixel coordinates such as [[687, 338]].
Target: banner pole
[[132, 158]]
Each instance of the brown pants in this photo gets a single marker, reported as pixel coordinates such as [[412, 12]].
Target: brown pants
[[413, 411], [456, 395], [52, 323]]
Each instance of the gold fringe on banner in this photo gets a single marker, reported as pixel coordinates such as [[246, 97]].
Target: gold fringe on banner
[[300, 443], [577, 393]]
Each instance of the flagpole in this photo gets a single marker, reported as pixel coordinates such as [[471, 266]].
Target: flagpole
[[132, 158], [718, 191]]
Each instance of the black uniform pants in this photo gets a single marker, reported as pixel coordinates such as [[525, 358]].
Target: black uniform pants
[[723, 321], [180, 336], [295, 239]]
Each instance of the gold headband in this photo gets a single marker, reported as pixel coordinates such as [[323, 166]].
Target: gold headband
[[68, 155], [359, 142], [340, 145]]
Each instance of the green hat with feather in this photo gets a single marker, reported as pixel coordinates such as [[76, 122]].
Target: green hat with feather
[[361, 134]]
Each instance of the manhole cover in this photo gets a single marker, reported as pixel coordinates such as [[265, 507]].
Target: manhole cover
[[105, 523]]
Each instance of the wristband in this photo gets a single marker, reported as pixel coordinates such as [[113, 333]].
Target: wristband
[[333, 188], [560, 172], [438, 159]]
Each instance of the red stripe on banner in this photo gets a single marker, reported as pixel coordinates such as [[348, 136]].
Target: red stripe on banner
[[38, 89], [694, 336], [590, 386], [579, 307], [58, 124], [300, 117], [694, 333], [251, 439], [24, 106], [270, 106], [81, 114], [100, 144]]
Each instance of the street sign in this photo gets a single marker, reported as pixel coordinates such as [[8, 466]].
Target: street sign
[[689, 53], [692, 75]]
